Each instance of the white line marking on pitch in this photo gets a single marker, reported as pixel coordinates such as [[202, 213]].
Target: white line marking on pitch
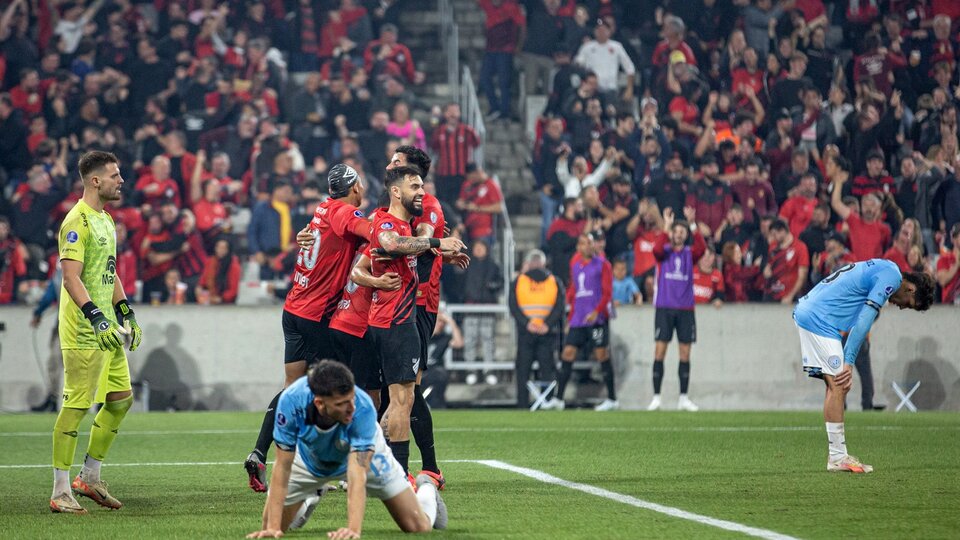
[[633, 501], [187, 464], [730, 429]]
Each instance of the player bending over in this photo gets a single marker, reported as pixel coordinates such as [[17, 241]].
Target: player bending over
[[849, 300], [326, 430]]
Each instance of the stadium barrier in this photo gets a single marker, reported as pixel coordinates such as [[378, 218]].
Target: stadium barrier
[[746, 357]]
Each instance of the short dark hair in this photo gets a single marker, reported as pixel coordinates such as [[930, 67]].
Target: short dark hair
[[926, 289], [416, 156], [395, 176], [681, 223], [94, 161], [779, 225], [842, 163], [330, 378]]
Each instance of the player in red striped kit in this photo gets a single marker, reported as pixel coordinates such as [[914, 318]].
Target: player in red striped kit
[[337, 229], [392, 330]]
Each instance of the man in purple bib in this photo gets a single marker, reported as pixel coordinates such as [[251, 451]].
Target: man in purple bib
[[589, 295], [674, 299]]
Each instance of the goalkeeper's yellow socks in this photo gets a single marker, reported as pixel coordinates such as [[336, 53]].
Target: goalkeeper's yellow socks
[[105, 426], [65, 437]]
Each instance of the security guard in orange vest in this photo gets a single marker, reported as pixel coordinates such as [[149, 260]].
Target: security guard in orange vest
[[537, 305]]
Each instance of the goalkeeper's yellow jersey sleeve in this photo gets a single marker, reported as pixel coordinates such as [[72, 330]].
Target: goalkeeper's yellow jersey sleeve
[[90, 237]]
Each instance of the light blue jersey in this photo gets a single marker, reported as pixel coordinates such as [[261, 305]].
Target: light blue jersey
[[848, 300], [324, 452]]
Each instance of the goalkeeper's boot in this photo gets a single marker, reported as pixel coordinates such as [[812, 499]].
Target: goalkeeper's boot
[[441, 521], [257, 470], [96, 491], [436, 476], [848, 463], [65, 503]]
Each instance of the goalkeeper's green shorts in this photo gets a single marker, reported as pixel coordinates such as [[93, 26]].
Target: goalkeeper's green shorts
[[90, 374]]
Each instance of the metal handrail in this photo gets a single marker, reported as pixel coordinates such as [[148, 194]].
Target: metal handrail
[[450, 41], [472, 114]]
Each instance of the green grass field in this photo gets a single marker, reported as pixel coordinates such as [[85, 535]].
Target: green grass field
[[179, 476]]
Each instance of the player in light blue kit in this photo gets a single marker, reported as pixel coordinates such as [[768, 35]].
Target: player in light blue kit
[[849, 300], [326, 430]]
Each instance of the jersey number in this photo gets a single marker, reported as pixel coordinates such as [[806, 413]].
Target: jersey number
[[845, 268], [310, 257], [379, 465]]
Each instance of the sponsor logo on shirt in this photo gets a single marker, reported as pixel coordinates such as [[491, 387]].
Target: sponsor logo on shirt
[[358, 213], [433, 217]]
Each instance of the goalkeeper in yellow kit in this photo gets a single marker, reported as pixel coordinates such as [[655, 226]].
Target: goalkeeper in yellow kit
[[94, 318]]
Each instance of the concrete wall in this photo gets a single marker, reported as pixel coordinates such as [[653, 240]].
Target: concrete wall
[[747, 357]]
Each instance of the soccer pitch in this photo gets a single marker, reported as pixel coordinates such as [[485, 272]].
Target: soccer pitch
[[514, 474]]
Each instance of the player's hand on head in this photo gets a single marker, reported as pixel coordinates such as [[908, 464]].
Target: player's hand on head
[[343, 532]]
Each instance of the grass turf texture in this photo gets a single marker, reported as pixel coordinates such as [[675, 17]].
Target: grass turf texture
[[764, 470]]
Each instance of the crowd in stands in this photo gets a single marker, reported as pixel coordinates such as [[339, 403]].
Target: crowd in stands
[[797, 135], [225, 116]]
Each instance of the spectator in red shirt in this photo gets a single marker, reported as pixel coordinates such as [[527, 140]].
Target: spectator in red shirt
[[749, 75], [738, 280], [875, 178], [754, 193], [874, 65], [788, 265], [182, 163], [13, 256], [709, 196], [504, 29], [708, 285], [156, 186], [454, 143], [26, 95], [480, 200], [386, 57], [221, 276], [338, 24], [869, 235], [835, 255], [948, 270], [674, 30], [798, 210], [211, 214], [644, 228], [907, 237]]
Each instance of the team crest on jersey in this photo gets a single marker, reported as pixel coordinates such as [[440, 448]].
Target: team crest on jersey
[[834, 361], [281, 419], [72, 237], [888, 290], [433, 217], [358, 213]]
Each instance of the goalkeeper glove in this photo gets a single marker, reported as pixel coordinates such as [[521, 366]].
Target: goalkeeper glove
[[126, 318], [107, 331]]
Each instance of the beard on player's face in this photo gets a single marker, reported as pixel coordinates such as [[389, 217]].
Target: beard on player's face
[[414, 205]]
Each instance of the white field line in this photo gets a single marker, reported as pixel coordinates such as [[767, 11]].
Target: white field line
[[639, 503], [186, 464], [666, 429]]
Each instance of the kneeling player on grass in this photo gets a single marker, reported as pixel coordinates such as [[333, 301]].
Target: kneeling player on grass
[[326, 430], [849, 300]]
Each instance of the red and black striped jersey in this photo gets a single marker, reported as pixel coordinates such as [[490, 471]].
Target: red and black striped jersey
[[318, 279], [392, 308], [429, 266]]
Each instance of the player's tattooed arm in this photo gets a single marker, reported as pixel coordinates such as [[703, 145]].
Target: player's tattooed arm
[[362, 458], [394, 244]]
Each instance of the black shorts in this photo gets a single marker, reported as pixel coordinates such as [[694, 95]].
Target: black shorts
[[597, 336], [399, 350], [667, 319], [426, 322], [357, 354], [304, 339]]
